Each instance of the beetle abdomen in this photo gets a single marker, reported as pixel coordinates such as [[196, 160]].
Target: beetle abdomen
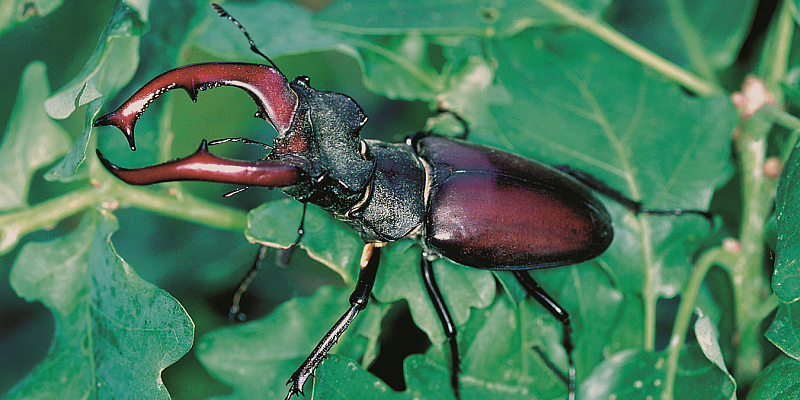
[[491, 209]]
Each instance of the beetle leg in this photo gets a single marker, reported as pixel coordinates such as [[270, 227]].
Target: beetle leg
[[370, 259], [635, 206], [534, 290], [284, 255], [429, 280], [235, 313]]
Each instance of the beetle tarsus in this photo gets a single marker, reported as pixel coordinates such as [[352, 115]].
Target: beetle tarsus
[[235, 314], [464, 125], [709, 216], [636, 207], [538, 293], [455, 370]]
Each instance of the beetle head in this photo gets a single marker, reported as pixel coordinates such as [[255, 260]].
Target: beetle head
[[318, 135]]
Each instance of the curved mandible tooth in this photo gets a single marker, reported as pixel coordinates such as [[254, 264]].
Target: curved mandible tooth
[[266, 85], [204, 166]]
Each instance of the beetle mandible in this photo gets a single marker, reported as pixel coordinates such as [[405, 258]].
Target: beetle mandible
[[443, 192]]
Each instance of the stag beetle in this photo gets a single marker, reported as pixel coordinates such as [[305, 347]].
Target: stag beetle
[[443, 192]]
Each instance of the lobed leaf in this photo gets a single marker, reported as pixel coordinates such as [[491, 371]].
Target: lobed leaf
[[114, 334], [32, 139], [115, 52]]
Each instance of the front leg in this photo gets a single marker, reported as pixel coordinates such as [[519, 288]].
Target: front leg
[[370, 259]]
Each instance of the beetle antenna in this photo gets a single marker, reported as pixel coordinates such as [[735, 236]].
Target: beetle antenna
[[253, 47], [243, 140], [235, 313]]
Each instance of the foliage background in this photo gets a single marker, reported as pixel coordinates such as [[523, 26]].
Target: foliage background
[[558, 93]]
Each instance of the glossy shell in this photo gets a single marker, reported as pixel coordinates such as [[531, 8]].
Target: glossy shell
[[491, 209]]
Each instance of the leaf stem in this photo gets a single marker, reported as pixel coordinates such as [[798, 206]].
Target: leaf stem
[[434, 85], [632, 49], [691, 40], [14, 225], [187, 207], [777, 49], [750, 285], [689, 295], [112, 194]]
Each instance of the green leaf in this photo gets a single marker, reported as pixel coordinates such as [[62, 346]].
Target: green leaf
[[264, 20], [18, 12], [31, 140], [114, 334], [783, 332], [472, 18], [258, 357], [326, 240], [66, 170], [708, 340], [471, 91], [397, 67], [640, 375], [595, 307], [463, 288], [777, 381], [785, 282], [498, 361], [501, 355], [342, 378], [116, 51], [111, 66], [700, 36]]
